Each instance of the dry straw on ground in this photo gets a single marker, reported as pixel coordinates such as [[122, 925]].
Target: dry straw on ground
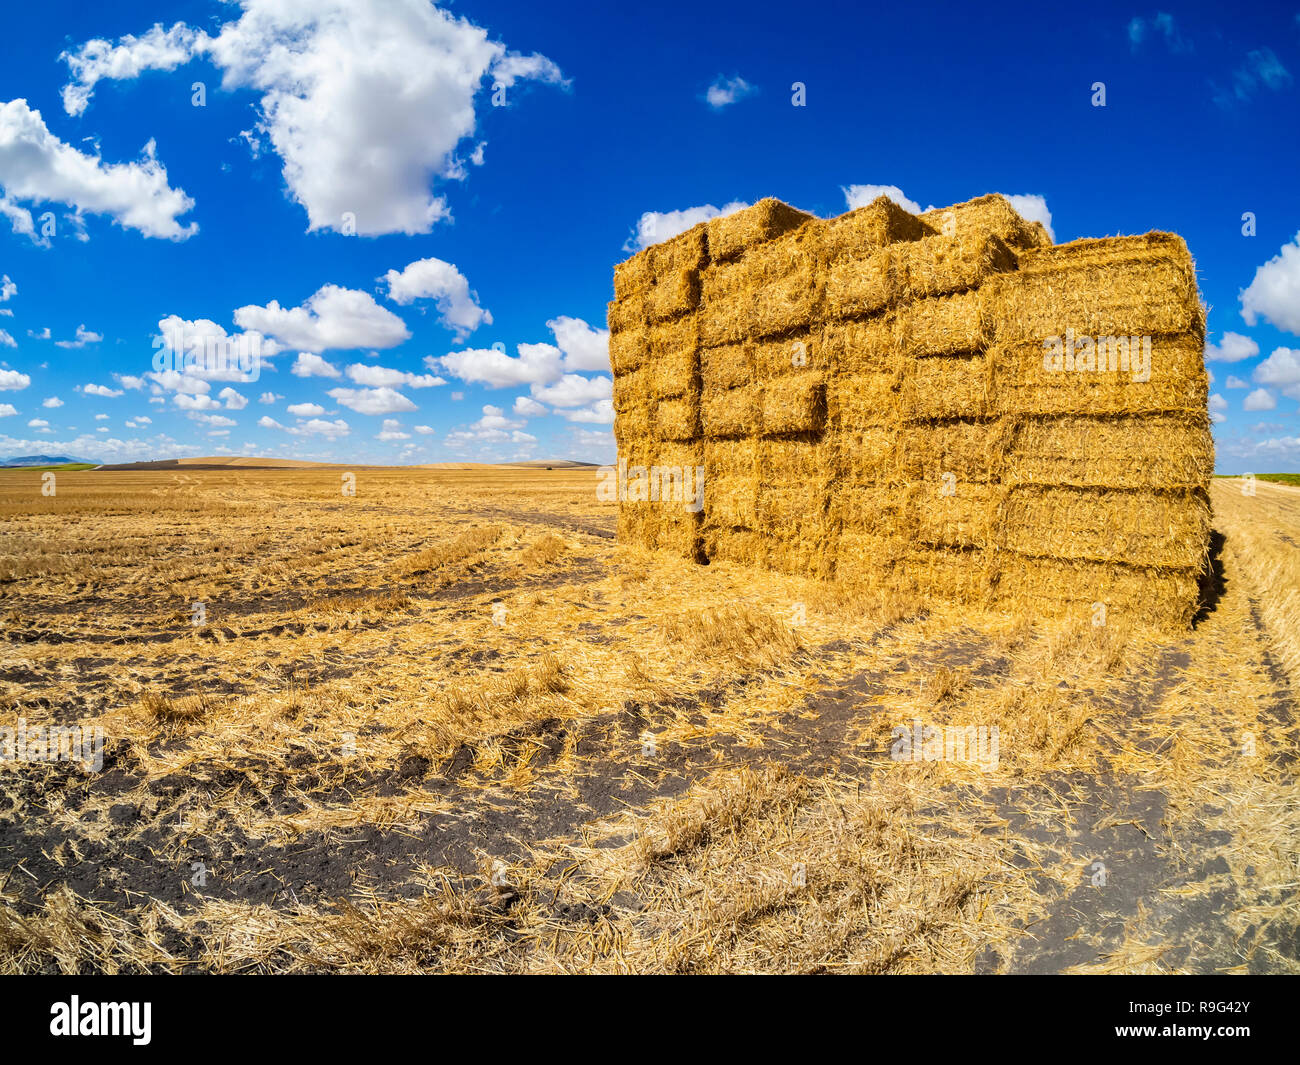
[[930, 440]]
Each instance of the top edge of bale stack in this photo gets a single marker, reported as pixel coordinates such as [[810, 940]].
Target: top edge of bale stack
[[946, 403]]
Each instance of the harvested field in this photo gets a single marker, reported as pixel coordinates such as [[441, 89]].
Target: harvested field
[[952, 382], [453, 725]]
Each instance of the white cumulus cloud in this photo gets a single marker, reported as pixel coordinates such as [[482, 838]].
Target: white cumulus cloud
[[1274, 294], [434, 279], [37, 168], [333, 317], [366, 103], [371, 400]]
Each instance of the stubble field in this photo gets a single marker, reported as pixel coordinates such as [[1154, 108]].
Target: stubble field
[[449, 724]]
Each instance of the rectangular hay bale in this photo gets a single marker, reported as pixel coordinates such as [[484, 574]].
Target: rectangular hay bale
[[947, 325], [1176, 451], [867, 345], [945, 386], [861, 232], [734, 234], [732, 412], [795, 404], [1026, 379], [990, 215], [970, 450], [1119, 286], [856, 401], [1160, 598], [938, 266], [1136, 527]]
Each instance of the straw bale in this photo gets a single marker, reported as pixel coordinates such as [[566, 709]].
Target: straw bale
[[633, 425], [795, 404], [733, 411], [746, 547], [728, 458], [867, 456], [1128, 451], [809, 553], [674, 371], [945, 386], [868, 345], [856, 288], [632, 526], [868, 229], [937, 266], [732, 235], [794, 479], [664, 279], [1023, 383], [955, 514], [731, 502], [678, 419], [869, 558], [954, 574], [1041, 238], [728, 366], [731, 480], [1119, 286], [629, 349], [625, 314], [945, 326], [990, 215], [796, 353], [678, 532], [884, 510], [773, 289], [856, 401], [1168, 529], [676, 294], [1161, 598], [632, 389], [972, 451]]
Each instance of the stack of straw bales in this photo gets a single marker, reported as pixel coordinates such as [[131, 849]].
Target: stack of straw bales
[[945, 404]]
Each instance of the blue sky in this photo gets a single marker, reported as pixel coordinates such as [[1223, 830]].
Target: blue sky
[[413, 212]]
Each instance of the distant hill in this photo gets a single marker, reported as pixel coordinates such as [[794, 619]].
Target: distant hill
[[41, 460]]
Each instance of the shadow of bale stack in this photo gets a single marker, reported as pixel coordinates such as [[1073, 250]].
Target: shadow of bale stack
[[946, 405]]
